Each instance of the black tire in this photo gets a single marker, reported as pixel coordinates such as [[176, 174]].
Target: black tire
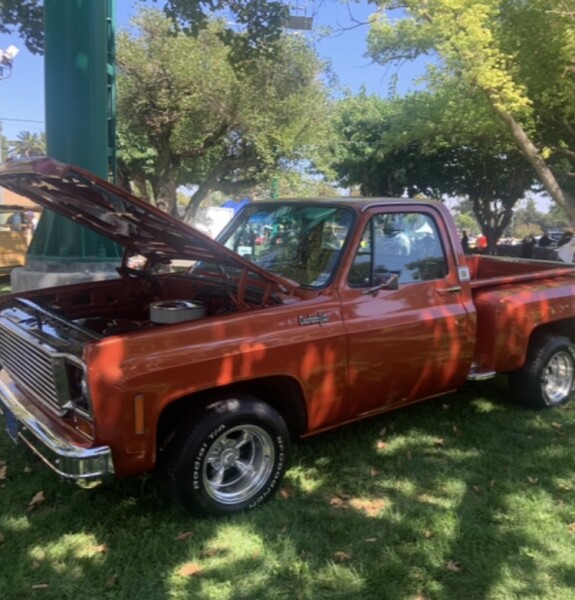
[[547, 378], [231, 459]]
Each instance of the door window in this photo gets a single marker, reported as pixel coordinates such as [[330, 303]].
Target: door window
[[407, 244]]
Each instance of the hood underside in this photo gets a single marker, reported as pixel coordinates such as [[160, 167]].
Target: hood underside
[[116, 214]]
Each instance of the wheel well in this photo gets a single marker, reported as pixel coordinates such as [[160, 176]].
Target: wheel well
[[281, 392], [564, 328]]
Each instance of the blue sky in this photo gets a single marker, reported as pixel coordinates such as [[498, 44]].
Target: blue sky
[[22, 94]]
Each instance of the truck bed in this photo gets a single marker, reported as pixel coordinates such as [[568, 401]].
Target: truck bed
[[514, 297], [488, 271]]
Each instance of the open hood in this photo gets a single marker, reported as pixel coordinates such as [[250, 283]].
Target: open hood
[[117, 215]]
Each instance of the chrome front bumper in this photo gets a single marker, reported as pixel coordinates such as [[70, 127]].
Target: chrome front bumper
[[61, 451]]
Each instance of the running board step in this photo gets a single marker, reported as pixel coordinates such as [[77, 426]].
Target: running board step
[[481, 375]]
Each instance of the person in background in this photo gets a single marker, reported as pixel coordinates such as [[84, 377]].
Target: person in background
[[465, 242], [565, 238], [16, 221], [566, 247], [528, 246], [545, 241], [482, 243]]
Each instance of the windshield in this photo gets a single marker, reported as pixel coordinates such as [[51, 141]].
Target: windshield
[[300, 242]]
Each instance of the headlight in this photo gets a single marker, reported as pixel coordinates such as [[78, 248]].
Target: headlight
[[79, 391]]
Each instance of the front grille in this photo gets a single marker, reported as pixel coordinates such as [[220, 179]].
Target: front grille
[[38, 370]]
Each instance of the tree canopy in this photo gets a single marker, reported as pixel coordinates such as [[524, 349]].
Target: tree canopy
[[435, 144], [257, 24], [517, 53], [27, 144], [188, 117], [26, 18]]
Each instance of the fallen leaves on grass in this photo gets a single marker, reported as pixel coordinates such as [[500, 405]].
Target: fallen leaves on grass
[[40, 586], [183, 536], [112, 581], [381, 445], [571, 527], [286, 493], [439, 442], [370, 507], [190, 570], [3, 472], [453, 566], [342, 556], [37, 501]]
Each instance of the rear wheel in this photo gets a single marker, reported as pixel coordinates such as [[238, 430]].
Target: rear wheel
[[548, 377], [230, 459]]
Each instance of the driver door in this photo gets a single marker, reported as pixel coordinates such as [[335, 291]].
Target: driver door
[[415, 341]]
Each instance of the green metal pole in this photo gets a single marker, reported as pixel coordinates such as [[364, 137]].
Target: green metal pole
[[77, 75]]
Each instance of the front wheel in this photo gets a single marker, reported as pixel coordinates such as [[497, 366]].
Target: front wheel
[[547, 378], [231, 459]]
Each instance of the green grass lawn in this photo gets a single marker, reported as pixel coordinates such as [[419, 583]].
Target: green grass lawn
[[461, 498]]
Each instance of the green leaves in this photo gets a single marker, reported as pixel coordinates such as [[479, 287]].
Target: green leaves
[[517, 54], [205, 122]]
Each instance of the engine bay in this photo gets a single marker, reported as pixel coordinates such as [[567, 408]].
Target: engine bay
[[138, 301]]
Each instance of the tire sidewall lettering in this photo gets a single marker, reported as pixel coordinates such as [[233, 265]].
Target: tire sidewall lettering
[[197, 466], [276, 476]]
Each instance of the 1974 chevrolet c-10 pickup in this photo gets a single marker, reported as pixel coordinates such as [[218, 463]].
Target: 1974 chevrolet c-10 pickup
[[208, 357]]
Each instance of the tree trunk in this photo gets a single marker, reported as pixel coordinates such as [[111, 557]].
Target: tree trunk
[[195, 200], [532, 155]]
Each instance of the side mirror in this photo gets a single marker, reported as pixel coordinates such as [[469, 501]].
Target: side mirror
[[384, 281], [388, 281]]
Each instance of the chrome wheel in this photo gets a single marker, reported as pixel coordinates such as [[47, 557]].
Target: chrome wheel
[[238, 464], [547, 377], [557, 377]]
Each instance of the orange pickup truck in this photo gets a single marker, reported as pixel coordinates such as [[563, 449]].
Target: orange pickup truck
[[306, 314]]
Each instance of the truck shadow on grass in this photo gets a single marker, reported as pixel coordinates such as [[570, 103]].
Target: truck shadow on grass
[[461, 497]]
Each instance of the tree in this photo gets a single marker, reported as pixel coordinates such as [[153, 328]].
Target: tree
[[256, 24], [188, 117], [425, 143], [25, 17], [528, 220], [517, 53], [260, 21], [27, 144]]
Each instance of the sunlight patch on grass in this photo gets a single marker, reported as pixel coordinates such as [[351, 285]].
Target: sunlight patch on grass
[[74, 546], [16, 524], [308, 480], [484, 406]]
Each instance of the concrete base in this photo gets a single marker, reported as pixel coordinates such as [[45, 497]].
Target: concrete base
[[45, 274]]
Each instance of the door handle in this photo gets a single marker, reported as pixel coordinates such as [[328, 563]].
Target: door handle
[[449, 290]]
